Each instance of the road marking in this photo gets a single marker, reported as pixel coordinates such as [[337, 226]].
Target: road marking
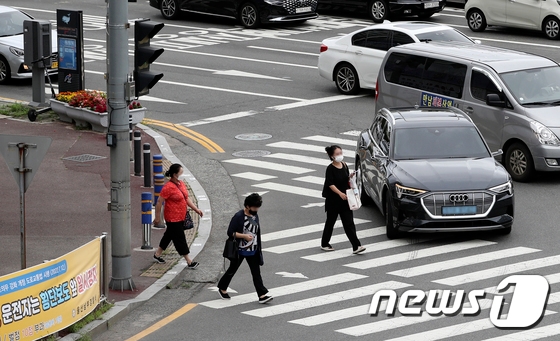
[[270, 165], [285, 51], [551, 279], [500, 271], [300, 158], [318, 301], [301, 103], [212, 146], [454, 330], [316, 180], [531, 334], [254, 176], [160, 100], [518, 43], [307, 147], [316, 243], [461, 262], [417, 254], [384, 245], [352, 133], [402, 321], [222, 72], [287, 290], [333, 140], [290, 189], [163, 322], [302, 230], [317, 204], [291, 275]]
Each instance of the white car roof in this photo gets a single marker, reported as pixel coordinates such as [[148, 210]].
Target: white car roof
[[6, 9], [410, 27]]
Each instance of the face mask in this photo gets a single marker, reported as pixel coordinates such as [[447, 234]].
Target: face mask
[[253, 212], [339, 158]]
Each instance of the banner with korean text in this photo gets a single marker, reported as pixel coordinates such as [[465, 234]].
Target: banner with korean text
[[46, 298]]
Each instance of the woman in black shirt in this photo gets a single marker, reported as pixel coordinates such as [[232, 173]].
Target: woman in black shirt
[[334, 192]]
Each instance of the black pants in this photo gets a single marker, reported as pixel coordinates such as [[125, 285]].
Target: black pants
[[234, 264], [347, 218], [176, 233]]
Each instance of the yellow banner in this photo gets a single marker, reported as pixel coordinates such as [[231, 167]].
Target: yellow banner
[[49, 297]]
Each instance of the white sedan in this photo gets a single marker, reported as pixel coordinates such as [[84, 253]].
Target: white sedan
[[353, 60]]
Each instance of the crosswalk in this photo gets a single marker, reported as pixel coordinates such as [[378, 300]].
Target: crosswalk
[[341, 302], [342, 308]]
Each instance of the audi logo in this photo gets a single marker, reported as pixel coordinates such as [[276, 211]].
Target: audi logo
[[458, 197]]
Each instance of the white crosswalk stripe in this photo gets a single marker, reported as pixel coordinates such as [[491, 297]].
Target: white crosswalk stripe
[[303, 230], [270, 165], [308, 147], [324, 299], [313, 193], [287, 290], [300, 158], [531, 334], [311, 179], [254, 176], [331, 140]]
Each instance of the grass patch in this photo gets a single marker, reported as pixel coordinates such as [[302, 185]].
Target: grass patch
[[94, 315], [17, 110]]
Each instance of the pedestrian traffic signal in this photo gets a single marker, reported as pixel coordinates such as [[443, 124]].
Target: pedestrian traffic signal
[[144, 55]]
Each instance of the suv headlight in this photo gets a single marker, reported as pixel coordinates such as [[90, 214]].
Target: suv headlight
[[506, 187], [16, 51], [544, 135], [402, 190]]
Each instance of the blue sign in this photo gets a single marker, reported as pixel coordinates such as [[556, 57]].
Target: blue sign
[[431, 100], [67, 53], [22, 282]]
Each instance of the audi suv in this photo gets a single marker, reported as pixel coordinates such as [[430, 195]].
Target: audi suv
[[429, 170]]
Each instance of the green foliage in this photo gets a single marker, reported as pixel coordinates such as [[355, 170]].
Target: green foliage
[[17, 110]]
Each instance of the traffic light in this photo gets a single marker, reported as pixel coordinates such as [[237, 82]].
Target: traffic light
[[144, 55]]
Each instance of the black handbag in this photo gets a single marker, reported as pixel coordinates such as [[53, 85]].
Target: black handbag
[[188, 223], [231, 249]]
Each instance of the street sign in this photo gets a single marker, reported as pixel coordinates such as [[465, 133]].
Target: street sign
[[35, 151]]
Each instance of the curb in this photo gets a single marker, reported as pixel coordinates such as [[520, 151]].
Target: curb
[[121, 309]]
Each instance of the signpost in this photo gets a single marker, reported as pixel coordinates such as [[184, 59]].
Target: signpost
[[69, 27], [23, 155]]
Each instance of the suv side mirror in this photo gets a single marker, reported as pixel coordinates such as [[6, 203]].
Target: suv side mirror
[[497, 153], [494, 100]]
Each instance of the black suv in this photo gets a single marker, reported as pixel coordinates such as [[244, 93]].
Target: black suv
[[380, 10], [430, 170]]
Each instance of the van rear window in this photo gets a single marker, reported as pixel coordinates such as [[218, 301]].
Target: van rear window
[[428, 74]]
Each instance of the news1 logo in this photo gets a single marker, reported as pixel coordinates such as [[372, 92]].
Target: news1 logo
[[526, 307]]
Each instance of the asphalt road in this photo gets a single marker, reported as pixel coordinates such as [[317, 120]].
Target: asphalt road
[[223, 81]]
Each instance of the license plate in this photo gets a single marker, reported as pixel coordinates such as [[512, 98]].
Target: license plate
[[54, 65], [303, 9], [431, 4], [458, 210]]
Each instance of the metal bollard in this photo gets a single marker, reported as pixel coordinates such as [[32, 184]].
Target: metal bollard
[[137, 153], [159, 180], [147, 166], [158, 164], [146, 221], [130, 126]]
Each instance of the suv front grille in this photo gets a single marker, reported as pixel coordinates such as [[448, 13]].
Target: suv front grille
[[291, 5], [434, 202]]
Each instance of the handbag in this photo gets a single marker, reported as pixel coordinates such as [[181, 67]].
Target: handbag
[[353, 195], [188, 223], [231, 249]]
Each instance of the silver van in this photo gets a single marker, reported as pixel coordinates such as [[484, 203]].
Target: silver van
[[513, 97]]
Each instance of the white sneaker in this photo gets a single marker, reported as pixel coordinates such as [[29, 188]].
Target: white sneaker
[[359, 250], [327, 248]]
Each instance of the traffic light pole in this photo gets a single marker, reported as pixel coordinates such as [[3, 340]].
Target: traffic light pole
[[118, 140]]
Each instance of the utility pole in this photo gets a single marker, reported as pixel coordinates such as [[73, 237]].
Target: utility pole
[[118, 140]]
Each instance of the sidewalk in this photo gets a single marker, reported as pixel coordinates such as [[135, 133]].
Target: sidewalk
[[66, 206]]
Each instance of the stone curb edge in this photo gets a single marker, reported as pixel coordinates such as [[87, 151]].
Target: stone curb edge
[[121, 309]]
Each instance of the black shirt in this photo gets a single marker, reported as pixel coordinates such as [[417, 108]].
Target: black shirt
[[338, 178]]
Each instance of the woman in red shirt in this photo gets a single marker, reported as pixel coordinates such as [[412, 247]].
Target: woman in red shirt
[[176, 198]]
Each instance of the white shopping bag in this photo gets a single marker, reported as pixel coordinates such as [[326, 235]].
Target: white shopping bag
[[353, 198]]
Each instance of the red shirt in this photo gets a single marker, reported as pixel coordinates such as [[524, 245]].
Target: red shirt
[[175, 206]]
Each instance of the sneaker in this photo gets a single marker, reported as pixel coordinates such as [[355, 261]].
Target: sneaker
[[159, 259], [327, 248], [224, 296], [263, 300], [193, 265], [359, 250]]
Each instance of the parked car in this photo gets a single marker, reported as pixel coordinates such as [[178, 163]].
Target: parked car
[[250, 13], [353, 60], [534, 15], [513, 97], [429, 170], [11, 45], [380, 10]]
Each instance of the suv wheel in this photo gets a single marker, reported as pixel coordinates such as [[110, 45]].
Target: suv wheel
[[551, 28], [476, 20], [249, 15], [379, 10], [519, 162], [346, 79], [5, 72], [170, 9], [392, 232]]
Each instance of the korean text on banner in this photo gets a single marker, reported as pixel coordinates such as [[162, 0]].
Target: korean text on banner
[[49, 297]]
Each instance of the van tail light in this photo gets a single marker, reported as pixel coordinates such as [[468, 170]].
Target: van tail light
[[376, 89], [324, 47]]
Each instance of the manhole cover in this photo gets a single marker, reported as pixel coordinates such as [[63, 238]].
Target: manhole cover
[[84, 158], [253, 137], [251, 153]]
